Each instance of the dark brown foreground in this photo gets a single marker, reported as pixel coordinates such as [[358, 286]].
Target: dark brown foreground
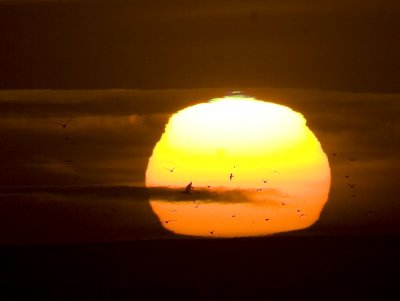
[[282, 267]]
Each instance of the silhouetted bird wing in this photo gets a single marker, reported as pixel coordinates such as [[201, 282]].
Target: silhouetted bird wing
[[188, 188], [59, 123]]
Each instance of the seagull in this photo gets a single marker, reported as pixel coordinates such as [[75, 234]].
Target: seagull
[[231, 176], [197, 205], [346, 177], [298, 210], [283, 204], [170, 169], [259, 189], [353, 196], [267, 219], [233, 216], [351, 185], [351, 159], [171, 220], [212, 232], [334, 154], [63, 125], [188, 188], [265, 181]]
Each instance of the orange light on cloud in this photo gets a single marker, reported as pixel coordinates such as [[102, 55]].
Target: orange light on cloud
[[274, 159]]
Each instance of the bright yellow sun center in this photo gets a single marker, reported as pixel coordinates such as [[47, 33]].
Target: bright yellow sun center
[[255, 167]]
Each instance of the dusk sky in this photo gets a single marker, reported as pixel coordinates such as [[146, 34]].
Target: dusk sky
[[205, 149], [118, 70]]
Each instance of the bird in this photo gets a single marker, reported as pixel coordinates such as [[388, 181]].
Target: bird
[[298, 210], [265, 181], [231, 176], [353, 196], [346, 177], [259, 189], [170, 169], [267, 219], [334, 154], [301, 215], [351, 159], [351, 185], [171, 220], [188, 188], [212, 232], [283, 204], [233, 216], [208, 186], [63, 125]]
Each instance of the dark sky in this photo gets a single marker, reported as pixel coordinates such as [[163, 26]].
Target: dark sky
[[119, 70], [335, 45]]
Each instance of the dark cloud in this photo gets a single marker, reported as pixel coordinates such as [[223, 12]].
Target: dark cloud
[[74, 215], [111, 135]]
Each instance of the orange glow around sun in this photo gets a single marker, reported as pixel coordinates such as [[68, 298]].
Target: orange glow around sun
[[255, 168]]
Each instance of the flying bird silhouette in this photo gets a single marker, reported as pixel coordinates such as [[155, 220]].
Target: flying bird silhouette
[[168, 221], [351, 159], [231, 176], [188, 188], [63, 125], [267, 219], [351, 185], [170, 169], [212, 232], [265, 181]]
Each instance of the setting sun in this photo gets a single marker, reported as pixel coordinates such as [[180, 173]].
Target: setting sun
[[255, 169]]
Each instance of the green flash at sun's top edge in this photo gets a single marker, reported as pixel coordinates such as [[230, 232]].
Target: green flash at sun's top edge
[[233, 95]]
